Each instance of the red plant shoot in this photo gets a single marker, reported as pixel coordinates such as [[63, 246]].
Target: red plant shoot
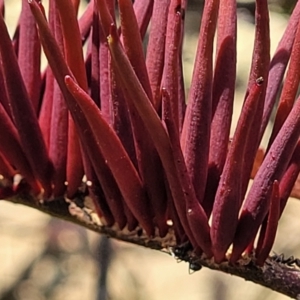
[[116, 119]]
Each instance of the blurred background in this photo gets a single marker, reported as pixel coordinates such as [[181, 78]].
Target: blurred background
[[44, 258]]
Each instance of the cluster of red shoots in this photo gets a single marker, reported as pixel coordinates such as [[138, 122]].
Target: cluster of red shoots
[[119, 117]]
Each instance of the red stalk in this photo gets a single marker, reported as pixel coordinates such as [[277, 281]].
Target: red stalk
[[29, 55], [181, 91], [259, 68], [74, 58], [46, 108], [105, 78], [11, 149], [173, 46], [133, 43], [156, 48], [152, 122], [181, 88], [258, 200], [148, 160], [105, 192], [196, 216], [115, 156], [60, 69], [290, 88], [93, 50], [228, 196], [196, 127], [222, 98], [85, 21], [143, 12], [58, 141], [289, 178], [74, 160], [271, 227], [72, 41], [278, 65], [23, 114], [45, 113], [105, 9], [122, 122]]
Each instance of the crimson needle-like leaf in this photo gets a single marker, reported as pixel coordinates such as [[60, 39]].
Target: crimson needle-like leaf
[[115, 157], [259, 68], [133, 43], [72, 41], [196, 127], [58, 140], [278, 65], [258, 200], [11, 148], [74, 57], [143, 12], [46, 108], [229, 193], [290, 88], [222, 98], [107, 128], [105, 9], [289, 178], [271, 227], [156, 48], [93, 55], [23, 113], [86, 20], [29, 55], [195, 214], [152, 122], [60, 70], [171, 71], [106, 193], [147, 158]]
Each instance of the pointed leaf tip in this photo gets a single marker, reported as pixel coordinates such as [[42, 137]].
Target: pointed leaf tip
[[116, 157]]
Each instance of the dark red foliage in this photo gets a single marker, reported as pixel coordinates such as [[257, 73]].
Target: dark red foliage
[[116, 118]]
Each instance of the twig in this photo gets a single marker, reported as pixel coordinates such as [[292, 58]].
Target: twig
[[274, 275]]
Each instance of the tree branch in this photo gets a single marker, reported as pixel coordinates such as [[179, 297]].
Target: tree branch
[[275, 275]]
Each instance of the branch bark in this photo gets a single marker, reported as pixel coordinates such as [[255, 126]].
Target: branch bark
[[275, 275]]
